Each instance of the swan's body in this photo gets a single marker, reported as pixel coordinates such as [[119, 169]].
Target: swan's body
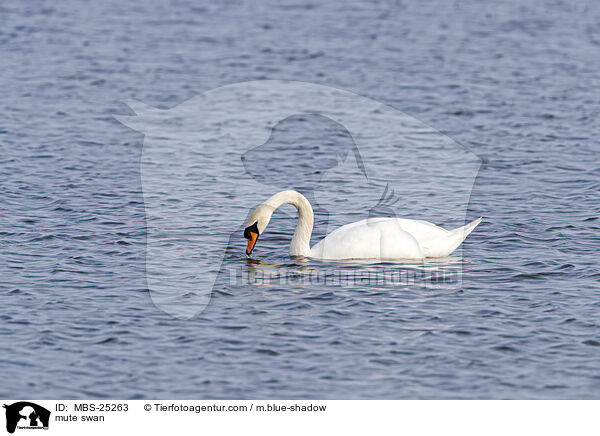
[[372, 238]]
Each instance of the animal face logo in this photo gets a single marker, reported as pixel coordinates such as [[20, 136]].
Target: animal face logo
[[26, 415], [209, 161]]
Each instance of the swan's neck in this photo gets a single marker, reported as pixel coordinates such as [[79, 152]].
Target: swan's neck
[[300, 245]]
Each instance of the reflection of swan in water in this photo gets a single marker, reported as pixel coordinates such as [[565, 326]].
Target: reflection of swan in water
[[373, 238], [298, 273]]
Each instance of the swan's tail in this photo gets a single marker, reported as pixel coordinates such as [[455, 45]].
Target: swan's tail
[[445, 245], [466, 230]]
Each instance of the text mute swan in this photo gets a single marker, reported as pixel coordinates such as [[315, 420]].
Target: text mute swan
[[372, 238]]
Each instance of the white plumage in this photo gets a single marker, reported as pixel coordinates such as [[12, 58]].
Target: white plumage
[[372, 238]]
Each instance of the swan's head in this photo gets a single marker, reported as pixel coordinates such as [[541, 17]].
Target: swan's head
[[257, 223]]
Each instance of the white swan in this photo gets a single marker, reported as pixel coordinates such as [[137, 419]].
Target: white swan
[[372, 238]]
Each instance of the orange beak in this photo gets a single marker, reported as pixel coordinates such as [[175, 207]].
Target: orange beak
[[251, 242]]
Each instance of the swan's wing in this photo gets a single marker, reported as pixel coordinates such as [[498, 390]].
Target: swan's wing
[[421, 230], [375, 238], [391, 238]]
